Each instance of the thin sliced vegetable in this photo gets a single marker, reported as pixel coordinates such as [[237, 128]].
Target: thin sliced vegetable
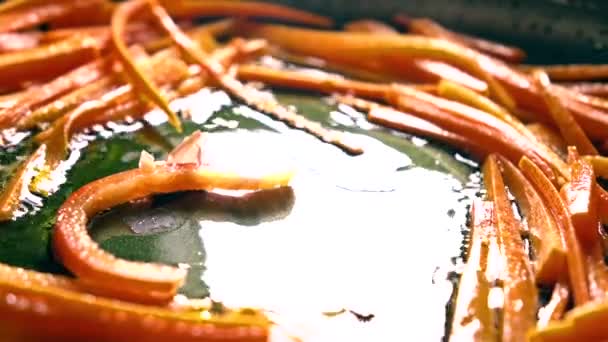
[[576, 263], [549, 137], [589, 88], [198, 33], [597, 273], [555, 309], [473, 320], [430, 28], [42, 12], [371, 26], [141, 82], [13, 192], [570, 129], [572, 72], [10, 42], [593, 101], [520, 296], [544, 233]]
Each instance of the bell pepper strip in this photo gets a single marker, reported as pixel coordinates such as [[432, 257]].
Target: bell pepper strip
[[588, 88], [559, 210], [430, 28], [10, 5], [555, 309], [544, 233], [580, 198], [409, 99], [520, 294], [54, 303], [38, 95], [245, 9], [568, 126], [10, 42], [392, 118], [45, 62], [456, 92], [140, 81], [198, 33], [12, 194], [326, 44], [315, 81], [597, 273], [571, 72], [436, 71], [593, 101], [82, 256], [249, 95], [370, 26], [33, 15], [549, 137], [473, 320]]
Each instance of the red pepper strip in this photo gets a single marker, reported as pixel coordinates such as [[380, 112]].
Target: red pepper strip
[[544, 233], [549, 137], [580, 197], [195, 8], [430, 28], [571, 131], [12, 194], [555, 309], [593, 101], [559, 210], [36, 96], [10, 42], [486, 119], [45, 62], [140, 81], [389, 117], [82, 256], [323, 83], [97, 13], [249, 95], [34, 15], [371, 26], [588, 88], [56, 304], [333, 45], [473, 320], [572, 72], [520, 294]]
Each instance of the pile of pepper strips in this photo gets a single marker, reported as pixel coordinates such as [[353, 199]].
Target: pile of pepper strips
[[102, 61]]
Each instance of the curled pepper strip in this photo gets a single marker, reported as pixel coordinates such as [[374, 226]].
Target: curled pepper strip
[[544, 234], [559, 210], [11, 196], [473, 320], [143, 282], [520, 295]]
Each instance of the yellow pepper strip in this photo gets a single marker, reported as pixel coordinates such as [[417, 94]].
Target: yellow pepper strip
[[13, 191], [250, 95], [196, 8], [457, 92], [559, 210], [544, 233], [570, 129], [473, 320], [141, 82], [555, 309], [333, 45], [600, 165], [549, 137], [520, 294]]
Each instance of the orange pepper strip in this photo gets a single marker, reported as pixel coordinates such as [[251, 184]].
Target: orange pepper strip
[[555, 309], [559, 210], [369, 25], [544, 233], [473, 320], [10, 42], [34, 15], [333, 45], [430, 28], [153, 282], [249, 95], [195, 8], [597, 273], [38, 95], [198, 33], [593, 101], [45, 62], [486, 119], [12, 194], [571, 131], [140, 81], [580, 197], [520, 294], [389, 117], [323, 83], [589, 88], [54, 304], [549, 137], [572, 72]]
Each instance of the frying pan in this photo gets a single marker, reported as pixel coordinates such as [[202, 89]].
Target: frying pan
[[551, 31]]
